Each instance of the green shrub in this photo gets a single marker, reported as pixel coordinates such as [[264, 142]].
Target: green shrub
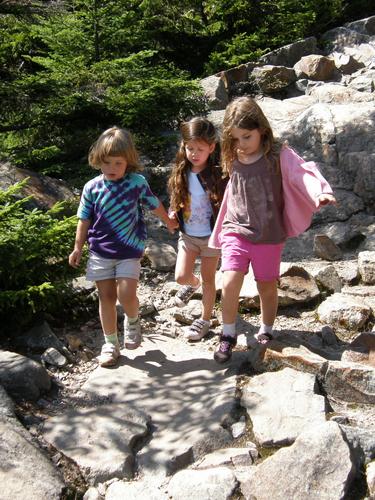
[[35, 277]]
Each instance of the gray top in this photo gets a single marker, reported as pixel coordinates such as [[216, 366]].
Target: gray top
[[255, 202]]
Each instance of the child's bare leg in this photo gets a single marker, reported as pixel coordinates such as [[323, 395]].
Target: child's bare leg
[[232, 283], [108, 316], [268, 309], [107, 305], [208, 273], [184, 275], [184, 272], [200, 327], [127, 296]]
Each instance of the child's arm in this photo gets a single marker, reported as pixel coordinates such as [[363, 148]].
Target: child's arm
[[81, 236], [169, 220]]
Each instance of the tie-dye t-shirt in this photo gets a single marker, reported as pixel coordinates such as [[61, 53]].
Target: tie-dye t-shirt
[[117, 229]]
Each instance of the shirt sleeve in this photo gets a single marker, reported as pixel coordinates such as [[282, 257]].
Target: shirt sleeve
[[147, 197], [85, 208]]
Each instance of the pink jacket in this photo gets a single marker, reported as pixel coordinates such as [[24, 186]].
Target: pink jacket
[[302, 185]]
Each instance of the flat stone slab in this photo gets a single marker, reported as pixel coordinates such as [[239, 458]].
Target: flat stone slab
[[184, 391], [98, 439], [281, 405], [317, 465]]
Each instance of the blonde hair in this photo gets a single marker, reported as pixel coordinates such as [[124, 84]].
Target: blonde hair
[[115, 141], [244, 112], [196, 129]]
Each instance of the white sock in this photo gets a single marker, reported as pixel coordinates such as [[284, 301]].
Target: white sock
[[265, 328], [229, 329]]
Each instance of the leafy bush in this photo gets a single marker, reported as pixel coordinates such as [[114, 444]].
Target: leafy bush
[[35, 276]]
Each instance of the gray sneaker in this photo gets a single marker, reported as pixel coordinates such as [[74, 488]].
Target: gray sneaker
[[132, 334], [184, 294], [197, 330]]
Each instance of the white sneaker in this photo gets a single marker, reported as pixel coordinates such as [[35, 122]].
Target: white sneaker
[[109, 354], [132, 334], [197, 330]]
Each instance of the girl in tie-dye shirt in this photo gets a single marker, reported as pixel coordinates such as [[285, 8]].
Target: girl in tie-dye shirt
[[111, 220]]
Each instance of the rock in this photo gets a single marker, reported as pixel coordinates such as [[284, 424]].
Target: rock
[[279, 355], [288, 55], [20, 458], [328, 336], [350, 382], [370, 478], [328, 278], [99, 440], [346, 63], [227, 457], [361, 442], [318, 465], [273, 78], [41, 337], [215, 92], [296, 286], [366, 267], [186, 315], [315, 67], [239, 428], [22, 377], [344, 311], [325, 248], [365, 26], [338, 38], [361, 350], [219, 483], [290, 396], [45, 191], [161, 255], [52, 356]]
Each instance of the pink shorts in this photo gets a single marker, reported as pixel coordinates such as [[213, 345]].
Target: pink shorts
[[237, 253]]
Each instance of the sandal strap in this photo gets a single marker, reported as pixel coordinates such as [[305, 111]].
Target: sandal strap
[[197, 325]]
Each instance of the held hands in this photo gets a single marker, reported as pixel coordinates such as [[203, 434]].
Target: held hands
[[172, 222], [326, 199], [75, 257]]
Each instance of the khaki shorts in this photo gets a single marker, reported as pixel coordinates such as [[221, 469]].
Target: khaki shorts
[[198, 245], [99, 269]]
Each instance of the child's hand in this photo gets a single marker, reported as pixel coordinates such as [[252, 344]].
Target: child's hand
[[172, 224], [75, 258], [327, 199]]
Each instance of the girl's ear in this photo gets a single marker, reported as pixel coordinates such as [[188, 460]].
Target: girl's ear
[[212, 147]]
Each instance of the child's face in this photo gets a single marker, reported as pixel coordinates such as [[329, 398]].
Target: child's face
[[114, 167], [246, 142], [197, 152]]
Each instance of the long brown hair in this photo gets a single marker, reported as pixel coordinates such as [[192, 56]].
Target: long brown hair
[[244, 112], [199, 129]]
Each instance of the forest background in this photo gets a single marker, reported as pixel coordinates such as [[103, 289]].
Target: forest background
[[70, 69]]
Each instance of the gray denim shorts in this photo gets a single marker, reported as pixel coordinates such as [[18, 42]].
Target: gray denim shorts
[[99, 269]]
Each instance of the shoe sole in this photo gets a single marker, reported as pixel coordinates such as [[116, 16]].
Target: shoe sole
[[132, 346], [107, 364], [220, 360], [179, 303]]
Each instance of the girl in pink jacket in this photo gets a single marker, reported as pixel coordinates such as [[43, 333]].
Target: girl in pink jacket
[[271, 195]]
